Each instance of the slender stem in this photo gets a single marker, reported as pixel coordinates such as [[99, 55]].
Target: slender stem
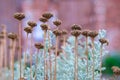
[[31, 57], [20, 45], [93, 58], [45, 55], [101, 61], [64, 43], [76, 59], [55, 66], [87, 53], [36, 64], [1, 53], [13, 53], [50, 65]]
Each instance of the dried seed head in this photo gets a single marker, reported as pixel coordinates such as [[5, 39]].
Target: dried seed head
[[12, 36], [76, 27], [32, 24], [44, 27], [53, 47], [93, 34], [19, 16], [85, 33], [103, 41], [58, 52], [61, 39], [28, 29], [47, 15], [1, 36], [39, 46], [42, 19], [76, 33], [57, 32], [64, 32], [22, 79], [116, 70], [57, 22]]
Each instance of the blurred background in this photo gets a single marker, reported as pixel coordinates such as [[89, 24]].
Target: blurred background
[[91, 14]]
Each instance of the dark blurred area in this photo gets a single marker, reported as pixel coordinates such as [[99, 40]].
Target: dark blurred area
[[91, 14]]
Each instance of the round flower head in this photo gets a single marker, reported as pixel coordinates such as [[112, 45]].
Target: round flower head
[[61, 39], [116, 70], [103, 41], [39, 46], [32, 24], [44, 27], [76, 27], [42, 19], [85, 33], [93, 34], [57, 32], [22, 79], [47, 15], [28, 29], [64, 32], [12, 36], [1, 36], [76, 33], [58, 52], [57, 22], [19, 16]]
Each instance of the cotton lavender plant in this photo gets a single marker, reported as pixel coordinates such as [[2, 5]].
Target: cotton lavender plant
[[78, 58], [65, 64]]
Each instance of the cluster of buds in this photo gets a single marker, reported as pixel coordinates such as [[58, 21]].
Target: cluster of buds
[[116, 70]]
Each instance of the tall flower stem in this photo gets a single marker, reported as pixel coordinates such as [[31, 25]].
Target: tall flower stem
[[93, 59], [101, 61], [50, 64], [76, 59], [31, 57], [36, 64], [55, 66], [20, 45], [86, 52], [45, 54], [12, 57], [1, 54]]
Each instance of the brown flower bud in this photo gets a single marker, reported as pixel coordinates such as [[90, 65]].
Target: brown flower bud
[[76, 33], [47, 15], [12, 36], [57, 22], [85, 33], [93, 34], [76, 27], [116, 70], [53, 47], [32, 24], [42, 19], [1, 36], [22, 79], [57, 32], [28, 29], [19, 16], [103, 41], [64, 32], [44, 27], [39, 46]]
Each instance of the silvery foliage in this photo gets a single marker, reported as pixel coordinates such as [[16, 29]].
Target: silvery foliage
[[65, 61]]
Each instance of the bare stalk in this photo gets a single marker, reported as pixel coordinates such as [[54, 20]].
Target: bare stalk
[[45, 55], [87, 53], [76, 59], [93, 59], [20, 45], [31, 57], [101, 61], [12, 57], [55, 66]]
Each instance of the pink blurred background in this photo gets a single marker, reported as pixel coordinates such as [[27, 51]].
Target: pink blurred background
[[91, 14]]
